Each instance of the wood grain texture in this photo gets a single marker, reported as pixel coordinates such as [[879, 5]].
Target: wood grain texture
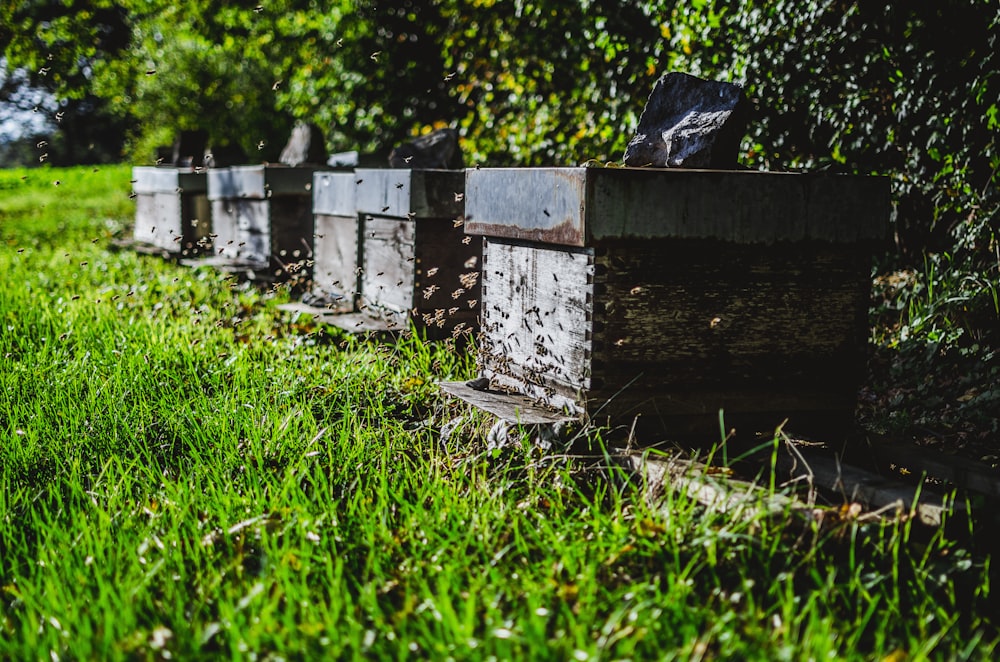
[[172, 221], [388, 255], [512, 408], [335, 260], [536, 312], [677, 330]]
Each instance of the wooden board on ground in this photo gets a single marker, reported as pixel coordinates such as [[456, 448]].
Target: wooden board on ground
[[362, 323], [713, 488], [959, 471], [511, 408]]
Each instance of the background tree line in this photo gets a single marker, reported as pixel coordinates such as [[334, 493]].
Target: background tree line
[[908, 90]]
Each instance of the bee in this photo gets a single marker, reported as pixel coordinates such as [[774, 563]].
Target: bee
[[150, 72], [467, 239], [374, 56], [400, 185]]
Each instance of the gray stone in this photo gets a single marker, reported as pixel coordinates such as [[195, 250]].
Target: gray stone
[[305, 145], [436, 150], [689, 122]]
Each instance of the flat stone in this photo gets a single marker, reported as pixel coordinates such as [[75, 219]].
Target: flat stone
[[689, 122], [437, 150]]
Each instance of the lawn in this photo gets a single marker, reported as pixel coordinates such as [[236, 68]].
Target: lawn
[[188, 472]]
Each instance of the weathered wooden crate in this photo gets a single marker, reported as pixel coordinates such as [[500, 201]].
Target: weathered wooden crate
[[262, 218], [172, 213], [673, 294], [415, 262]]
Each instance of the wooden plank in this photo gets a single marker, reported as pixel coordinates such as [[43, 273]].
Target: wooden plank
[[511, 408], [363, 323], [536, 312], [855, 484], [722, 493], [320, 315], [699, 311], [959, 471], [713, 489], [387, 276], [335, 259]]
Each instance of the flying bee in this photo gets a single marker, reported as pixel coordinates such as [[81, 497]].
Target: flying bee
[[459, 197], [467, 239], [150, 72]]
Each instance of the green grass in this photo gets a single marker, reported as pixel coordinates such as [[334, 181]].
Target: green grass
[[187, 472]]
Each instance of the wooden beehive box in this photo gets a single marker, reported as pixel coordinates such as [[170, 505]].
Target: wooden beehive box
[[172, 214], [415, 262], [673, 294], [262, 218]]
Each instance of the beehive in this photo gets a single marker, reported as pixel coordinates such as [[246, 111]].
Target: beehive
[[415, 261], [674, 294], [262, 217], [172, 213]]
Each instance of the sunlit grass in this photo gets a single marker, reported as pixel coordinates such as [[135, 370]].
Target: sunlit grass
[[187, 471]]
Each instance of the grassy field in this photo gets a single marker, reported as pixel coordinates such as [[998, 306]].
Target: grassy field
[[186, 472]]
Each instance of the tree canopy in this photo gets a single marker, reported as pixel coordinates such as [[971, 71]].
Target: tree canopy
[[906, 90]]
